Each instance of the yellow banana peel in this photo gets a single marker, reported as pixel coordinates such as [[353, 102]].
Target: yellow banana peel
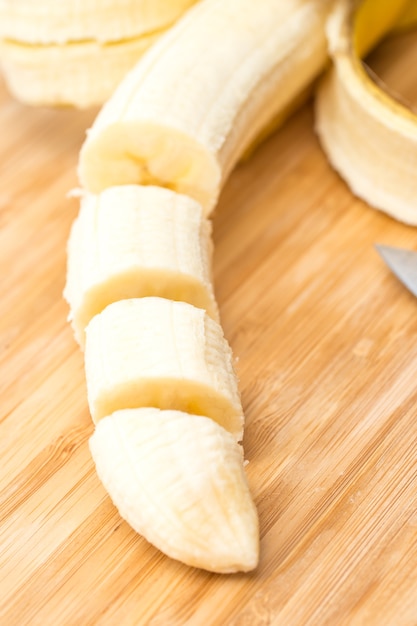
[[408, 18], [369, 137]]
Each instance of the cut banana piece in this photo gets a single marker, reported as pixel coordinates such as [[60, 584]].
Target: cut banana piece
[[131, 242], [369, 138], [63, 21], [179, 481], [80, 74], [191, 107], [76, 53], [160, 353]]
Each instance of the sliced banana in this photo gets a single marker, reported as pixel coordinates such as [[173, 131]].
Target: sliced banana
[[63, 21], [370, 138], [179, 481], [192, 106], [131, 242], [160, 353], [76, 53], [79, 74]]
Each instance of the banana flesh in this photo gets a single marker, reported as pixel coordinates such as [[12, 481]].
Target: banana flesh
[[189, 109], [161, 385], [160, 353], [131, 242], [369, 138], [78, 74], [73, 53], [179, 481], [48, 21]]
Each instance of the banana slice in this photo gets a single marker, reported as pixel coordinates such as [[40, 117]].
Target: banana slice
[[79, 74], [159, 353], [68, 52], [369, 138], [63, 21], [131, 242], [179, 481], [191, 107]]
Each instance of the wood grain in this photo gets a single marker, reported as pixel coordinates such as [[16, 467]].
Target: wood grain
[[326, 342]]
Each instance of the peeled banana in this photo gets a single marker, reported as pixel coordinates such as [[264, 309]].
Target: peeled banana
[[47, 21], [78, 74], [178, 479], [76, 53], [161, 385], [160, 380], [134, 241], [368, 136], [159, 353], [194, 103]]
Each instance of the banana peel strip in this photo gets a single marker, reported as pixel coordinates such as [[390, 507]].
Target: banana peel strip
[[369, 137]]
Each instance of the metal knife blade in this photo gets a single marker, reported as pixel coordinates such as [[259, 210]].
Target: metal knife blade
[[403, 263]]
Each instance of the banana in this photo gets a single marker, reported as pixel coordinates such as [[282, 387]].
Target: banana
[[160, 353], [76, 53], [132, 241], [179, 481], [369, 138], [197, 100], [181, 119], [161, 386], [80, 74], [49, 21]]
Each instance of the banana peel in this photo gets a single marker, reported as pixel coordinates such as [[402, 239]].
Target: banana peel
[[368, 136], [408, 18]]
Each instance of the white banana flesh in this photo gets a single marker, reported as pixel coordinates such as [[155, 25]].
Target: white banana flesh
[[80, 74], [179, 481], [369, 138], [194, 103], [160, 353], [76, 53], [64, 21], [132, 242]]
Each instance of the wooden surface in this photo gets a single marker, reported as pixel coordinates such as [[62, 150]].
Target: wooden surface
[[326, 341]]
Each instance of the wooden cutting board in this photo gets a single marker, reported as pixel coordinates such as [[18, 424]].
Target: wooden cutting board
[[326, 342]]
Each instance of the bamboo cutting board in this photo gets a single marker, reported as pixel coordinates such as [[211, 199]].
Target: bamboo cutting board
[[326, 342]]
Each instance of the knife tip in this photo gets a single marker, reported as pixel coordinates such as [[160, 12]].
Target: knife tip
[[384, 250], [402, 262], [389, 252]]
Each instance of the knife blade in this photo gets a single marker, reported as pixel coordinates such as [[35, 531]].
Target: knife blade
[[402, 262]]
